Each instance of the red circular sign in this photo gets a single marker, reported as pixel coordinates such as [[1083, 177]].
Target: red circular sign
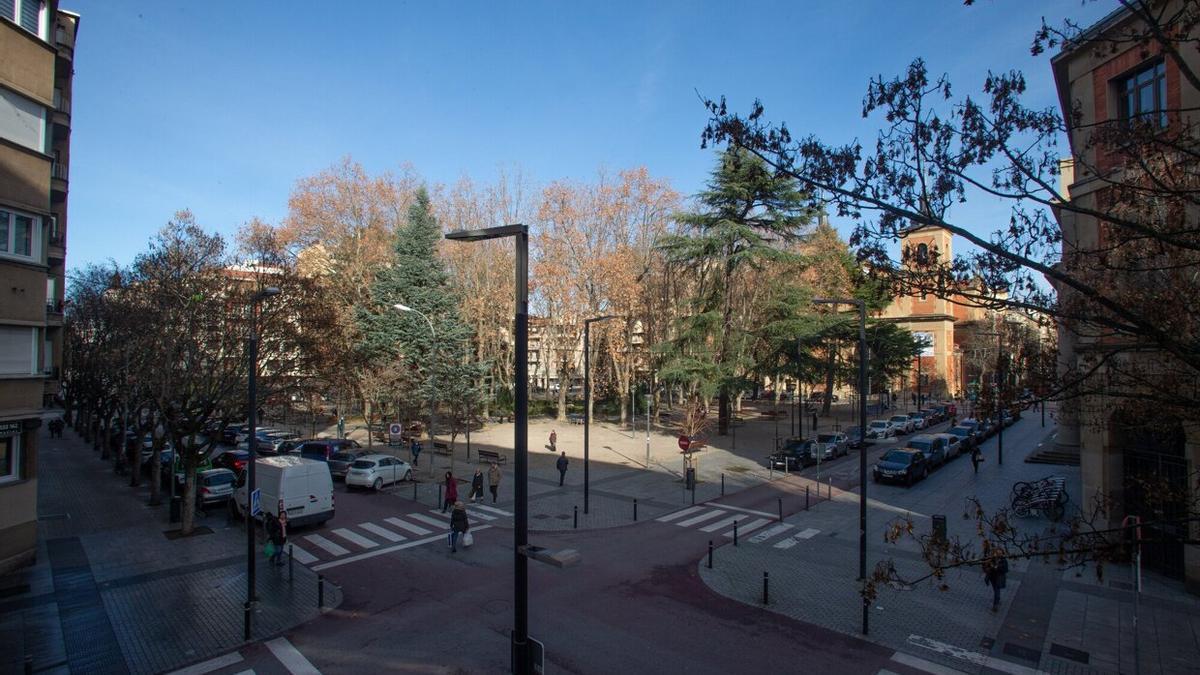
[[684, 442]]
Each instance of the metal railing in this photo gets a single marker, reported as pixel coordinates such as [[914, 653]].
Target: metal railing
[[58, 170], [61, 103]]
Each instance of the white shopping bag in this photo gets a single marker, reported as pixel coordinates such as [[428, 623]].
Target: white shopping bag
[[468, 539]]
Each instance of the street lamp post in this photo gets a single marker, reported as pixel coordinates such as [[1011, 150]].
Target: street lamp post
[[432, 383], [522, 664], [251, 443], [862, 431], [587, 397]]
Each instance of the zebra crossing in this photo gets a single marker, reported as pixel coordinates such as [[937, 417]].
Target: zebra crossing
[[320, 549], [720, 518]]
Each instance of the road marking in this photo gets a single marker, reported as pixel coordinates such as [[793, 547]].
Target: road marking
[[770, 532], [389, 549], [483, 516], [382, 532], [679, 514], [406, 526], [430, 521], [748, 527], [324, 543], [750, 511], [247, 672], [922, 664], [973, 657], [808, 533], [492, 509], [300, 554], [291, 658], [209, 665], [701, 518], [723, 523], [787, 543]]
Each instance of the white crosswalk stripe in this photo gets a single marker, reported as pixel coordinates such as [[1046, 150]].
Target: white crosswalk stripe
[[481, 516], [430, 521], [808, 534], [721, 524], [786, 543], [355, 538], [382, 532], [770, 532], [745, 528], [679, 514], [492, 509], [708, 515], [325, 544], [407, 526], [303, 556]]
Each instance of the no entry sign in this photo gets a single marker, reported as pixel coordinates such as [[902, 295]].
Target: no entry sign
[[684, 442]]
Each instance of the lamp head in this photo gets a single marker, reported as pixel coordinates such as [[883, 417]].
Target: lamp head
[[488, 233]]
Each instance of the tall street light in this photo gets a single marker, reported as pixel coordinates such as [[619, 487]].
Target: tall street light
[[432, 381], [862, 431], [999, 411], [587, 397], [522, 663], [252, 443]]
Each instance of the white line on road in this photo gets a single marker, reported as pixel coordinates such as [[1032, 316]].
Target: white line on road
[[477, 514], [324, 543], [492, 509], [291, 658], [770, 532], [382, 532], [701, 518], [679, 514], [355, 538], [808, 533], [971, 656], [723, 523], [430, 521], [303, 556], [750, 511], [786, 543], [406, 526], [748, 527], [210, 665], [247, 672], [922, 664], [389, 549]]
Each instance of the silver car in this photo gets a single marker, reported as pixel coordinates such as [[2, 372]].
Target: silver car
[[880, 429], [375, 471], [214, 486], [833, 445]]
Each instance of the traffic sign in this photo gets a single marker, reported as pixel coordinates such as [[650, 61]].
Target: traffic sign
[[256, 502], [684, 442], [395, 429]]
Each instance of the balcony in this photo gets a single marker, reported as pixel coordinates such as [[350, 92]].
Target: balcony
[[62, 111], [64, 40], [57, 247], [54, 313], [58, 181]]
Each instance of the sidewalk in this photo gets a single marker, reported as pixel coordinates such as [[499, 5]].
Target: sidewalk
[[111, 593], [1050, 620]]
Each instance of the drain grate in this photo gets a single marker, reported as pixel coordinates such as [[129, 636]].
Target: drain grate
[[1069, 653], [987, 643]]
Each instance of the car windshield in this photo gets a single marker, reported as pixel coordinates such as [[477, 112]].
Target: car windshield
[[897, 457], [899, 418], [363, 464], [342, 456], [923, 446], [878, 425], [826, 438], [222, 478], [960, 431], [795, 446]]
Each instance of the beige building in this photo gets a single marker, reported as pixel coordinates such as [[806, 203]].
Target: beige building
[[36, 53], [1123, 444]]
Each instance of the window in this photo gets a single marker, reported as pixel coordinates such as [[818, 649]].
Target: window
[[922, 253], [10, 451], [1143, 96], [26, 13], [23, 120], [18, 350], [20, 235]]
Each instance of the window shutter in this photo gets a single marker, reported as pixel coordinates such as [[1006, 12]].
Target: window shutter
[[6, 9], [30, 12], [16, 350]]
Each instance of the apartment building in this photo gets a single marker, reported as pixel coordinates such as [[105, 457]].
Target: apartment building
[[37, 42]]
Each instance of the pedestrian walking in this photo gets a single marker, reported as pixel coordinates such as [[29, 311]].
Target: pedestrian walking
[[553, 440], [458, 525], [415, 449], [976, 458], [995, 574], [494, 480], [276, 536], [451, 494], [477, 486], [562, 467]]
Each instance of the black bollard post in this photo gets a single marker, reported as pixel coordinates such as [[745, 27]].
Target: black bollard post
[[693, 496], [414, 490], [735, 523], [766, 577], [831, 488], [29, 664], [635, 510], [710, 554], [246, 620], [320, 592], [439, 502], [291, 561], [805, 497], [576, 518], [722, 485]]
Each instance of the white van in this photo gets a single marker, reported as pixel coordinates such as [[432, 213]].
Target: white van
[[301, 487]]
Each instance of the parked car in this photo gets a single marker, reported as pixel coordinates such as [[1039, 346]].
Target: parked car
[[375, 471], [795, 454], [233, 460], [214, 486], [902, 423], [232, 433], [301, 488], [966, 437], [902, 465], [338, 453], [267, 439], [880, 429], [932, 447], [919, 420], [834, 444], [934, 414], [854, 439], [285, 443], [954, 445]]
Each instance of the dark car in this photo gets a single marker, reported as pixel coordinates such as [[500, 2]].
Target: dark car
[[230, 435], [932, 447], [854, 439], [339, 453], [795, 454], [966, 437], [902, 465], [234, 460]]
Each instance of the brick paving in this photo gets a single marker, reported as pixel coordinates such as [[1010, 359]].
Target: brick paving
[[127, 599]]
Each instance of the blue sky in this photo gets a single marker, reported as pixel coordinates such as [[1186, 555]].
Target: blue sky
[[221, 106]]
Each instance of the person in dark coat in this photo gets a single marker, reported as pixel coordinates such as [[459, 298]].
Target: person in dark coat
[[451, 492], [976, 458], [415, 448], [277, 533], [995, 574], [562, 467], [494, 480], [458, 525], [477, 486]]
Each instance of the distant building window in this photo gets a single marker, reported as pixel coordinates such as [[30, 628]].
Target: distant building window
[[10, 457], [922, 253], [26, 13], [19, 235], [18, 350], [1143, 96]]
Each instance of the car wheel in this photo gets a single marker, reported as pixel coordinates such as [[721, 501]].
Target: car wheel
[[408, 475], [378, 484]]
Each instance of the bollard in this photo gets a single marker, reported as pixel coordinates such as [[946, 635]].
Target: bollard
[[29, 664], [414, 490], [781, 509], [320, 592], [805, 497], [635, 510], [693, 497], [735, 524], [576, 518], [439, 501], [831, 488], [722, 484], [766, 577], [291, 560], [710, 554], [246, 620]]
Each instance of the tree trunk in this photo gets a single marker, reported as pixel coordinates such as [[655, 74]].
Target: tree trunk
[[155, 469], [564, 382], [829, 368], [188, 519]]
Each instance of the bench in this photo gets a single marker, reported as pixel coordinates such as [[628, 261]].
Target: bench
[[441, 447], [491, 456], [575, 418]]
